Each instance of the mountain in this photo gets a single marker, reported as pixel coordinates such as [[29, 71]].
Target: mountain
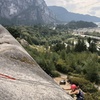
[[25, 12], [65, 16], [21, 78]]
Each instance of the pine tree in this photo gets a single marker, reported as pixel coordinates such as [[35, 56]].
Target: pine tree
[[80, 46], [92, 47]]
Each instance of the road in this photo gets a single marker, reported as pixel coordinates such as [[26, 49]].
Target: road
[[94, 37]]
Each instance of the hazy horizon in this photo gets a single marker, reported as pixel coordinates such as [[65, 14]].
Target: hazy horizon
[[80, 6]]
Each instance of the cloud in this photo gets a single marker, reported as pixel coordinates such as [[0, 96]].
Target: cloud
[[78, 6], [95, 8], [95, 11]]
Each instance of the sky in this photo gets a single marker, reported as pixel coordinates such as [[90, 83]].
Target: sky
[[91, 7]]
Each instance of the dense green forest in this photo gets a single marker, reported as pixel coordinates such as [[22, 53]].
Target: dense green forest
[[57, 50], [76, 25]]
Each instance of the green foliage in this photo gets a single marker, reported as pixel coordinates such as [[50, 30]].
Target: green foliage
[[83, 24], [46, 62], [96, 95], [55, 74], [80, 46], [77, 24], [69, 49], [88, 96], [61, 66], [15, 32], [58, 47], [61, 58], [92, 71], [92, 96], [92, 47]]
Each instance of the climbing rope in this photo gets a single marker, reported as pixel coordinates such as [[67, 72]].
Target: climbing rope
[[6, 76]]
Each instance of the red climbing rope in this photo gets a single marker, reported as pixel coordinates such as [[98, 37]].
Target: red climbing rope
[[8, 77]]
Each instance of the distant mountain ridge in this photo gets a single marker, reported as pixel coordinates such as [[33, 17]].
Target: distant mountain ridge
[[29, 12], [65, 16], [25, 12]]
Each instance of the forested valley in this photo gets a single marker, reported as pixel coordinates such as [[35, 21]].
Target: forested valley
[[56, 50]]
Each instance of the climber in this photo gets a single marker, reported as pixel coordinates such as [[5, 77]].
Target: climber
[[75, 90]]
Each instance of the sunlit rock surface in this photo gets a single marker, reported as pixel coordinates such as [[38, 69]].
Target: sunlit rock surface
[[21, 78]]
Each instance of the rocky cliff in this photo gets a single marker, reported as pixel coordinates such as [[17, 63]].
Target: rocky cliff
[[25, 12], [21, 78]]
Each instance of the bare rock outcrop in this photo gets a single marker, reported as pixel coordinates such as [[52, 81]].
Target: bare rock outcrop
[[21, 78], [25, 12]]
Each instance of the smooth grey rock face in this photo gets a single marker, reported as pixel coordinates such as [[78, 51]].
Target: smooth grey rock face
[[26, 11], [21, 78]]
